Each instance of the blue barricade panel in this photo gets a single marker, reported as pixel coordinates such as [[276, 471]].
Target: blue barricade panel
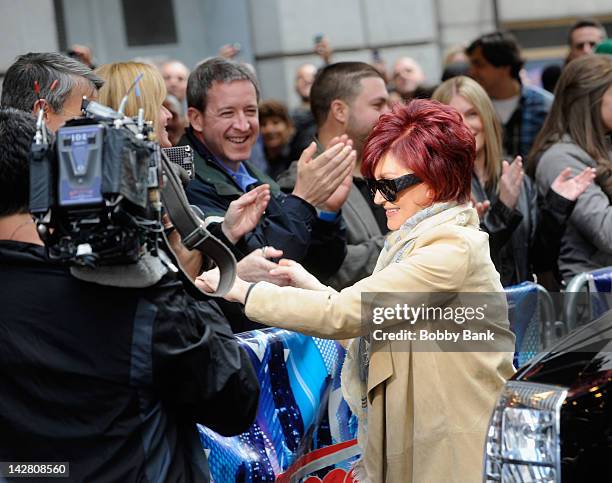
[[524, 320], [301, 409]]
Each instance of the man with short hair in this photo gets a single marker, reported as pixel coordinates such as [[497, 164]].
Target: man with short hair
[[108, 379], [224, 125], [583, 36], [347, 98], [495, 63], [63, 83]]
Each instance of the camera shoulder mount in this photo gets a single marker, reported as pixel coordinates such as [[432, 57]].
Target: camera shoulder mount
[[194, 234]]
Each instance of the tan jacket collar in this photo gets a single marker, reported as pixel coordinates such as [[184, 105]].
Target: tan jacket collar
[[398, 241], [463, 215]]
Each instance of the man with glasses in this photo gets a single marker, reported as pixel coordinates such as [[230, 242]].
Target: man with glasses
[[583, 36], [49, 81]]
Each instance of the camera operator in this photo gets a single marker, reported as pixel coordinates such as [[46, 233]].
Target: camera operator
[[62, 83], [110, 380]]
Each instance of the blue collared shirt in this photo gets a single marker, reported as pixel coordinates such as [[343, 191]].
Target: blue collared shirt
[[241, 176]]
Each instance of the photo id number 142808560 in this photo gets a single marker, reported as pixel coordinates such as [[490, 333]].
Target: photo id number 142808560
[[29, 469]]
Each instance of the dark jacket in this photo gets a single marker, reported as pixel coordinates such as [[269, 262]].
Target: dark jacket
[[113, 380], [524, 240], [289, 223]]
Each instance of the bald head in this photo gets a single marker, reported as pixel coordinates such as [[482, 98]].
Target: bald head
[[304, 77], [407, 76], [175, 75]]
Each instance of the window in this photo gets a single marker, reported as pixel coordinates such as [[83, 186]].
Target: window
[[149, 22]]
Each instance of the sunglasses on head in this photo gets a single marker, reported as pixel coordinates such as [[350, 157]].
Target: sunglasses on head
[[389, 188]]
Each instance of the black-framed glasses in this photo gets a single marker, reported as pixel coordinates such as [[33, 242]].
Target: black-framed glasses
[[389, 188]]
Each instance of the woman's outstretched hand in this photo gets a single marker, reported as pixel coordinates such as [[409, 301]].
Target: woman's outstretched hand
[[244, 213], [255, 267], [571, 188], [296, 275]]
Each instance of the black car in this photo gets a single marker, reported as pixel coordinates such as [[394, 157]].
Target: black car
[[553, 420]]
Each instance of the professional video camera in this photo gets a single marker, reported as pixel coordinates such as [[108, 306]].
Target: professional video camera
[[96, 193]]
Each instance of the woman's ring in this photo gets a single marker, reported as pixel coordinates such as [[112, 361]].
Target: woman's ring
[[263, 252]]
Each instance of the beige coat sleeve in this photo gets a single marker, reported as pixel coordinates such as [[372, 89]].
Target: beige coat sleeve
[[437, 266]]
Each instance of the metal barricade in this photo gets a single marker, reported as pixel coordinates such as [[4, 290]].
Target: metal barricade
[[532, 319], [585, 297]]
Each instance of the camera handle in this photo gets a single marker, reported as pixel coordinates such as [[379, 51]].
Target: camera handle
[[194, 234]]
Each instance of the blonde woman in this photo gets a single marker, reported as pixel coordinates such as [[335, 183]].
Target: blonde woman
[[119, 76], [523, 238]]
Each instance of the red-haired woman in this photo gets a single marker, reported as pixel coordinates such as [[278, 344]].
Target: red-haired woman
[[425, 413]]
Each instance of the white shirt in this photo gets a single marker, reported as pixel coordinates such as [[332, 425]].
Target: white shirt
[[506, 107]]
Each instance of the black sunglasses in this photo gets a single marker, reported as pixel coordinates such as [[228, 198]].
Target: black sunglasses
[[389, 188]]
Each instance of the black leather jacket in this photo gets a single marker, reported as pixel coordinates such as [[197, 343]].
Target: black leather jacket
[[524, 240]]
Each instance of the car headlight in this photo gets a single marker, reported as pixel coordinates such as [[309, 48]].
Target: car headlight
[[522, 442]]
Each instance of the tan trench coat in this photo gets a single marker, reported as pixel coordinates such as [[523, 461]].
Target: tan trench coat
[[427, 412]]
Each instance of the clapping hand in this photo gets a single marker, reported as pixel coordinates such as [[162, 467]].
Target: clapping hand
[[481, 207], [511, 182], [571, 188], [244, 213], [338, 197], [319, 178]]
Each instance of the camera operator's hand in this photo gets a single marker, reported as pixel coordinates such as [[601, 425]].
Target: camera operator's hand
[[297, 275], [209, 281], [318, 178], [257, 266], [244, 213]]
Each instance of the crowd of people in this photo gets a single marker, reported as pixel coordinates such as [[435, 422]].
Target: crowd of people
[[379, 181]]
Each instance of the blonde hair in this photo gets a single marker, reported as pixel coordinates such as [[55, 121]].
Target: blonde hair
[[471, 91], [118, 78]]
